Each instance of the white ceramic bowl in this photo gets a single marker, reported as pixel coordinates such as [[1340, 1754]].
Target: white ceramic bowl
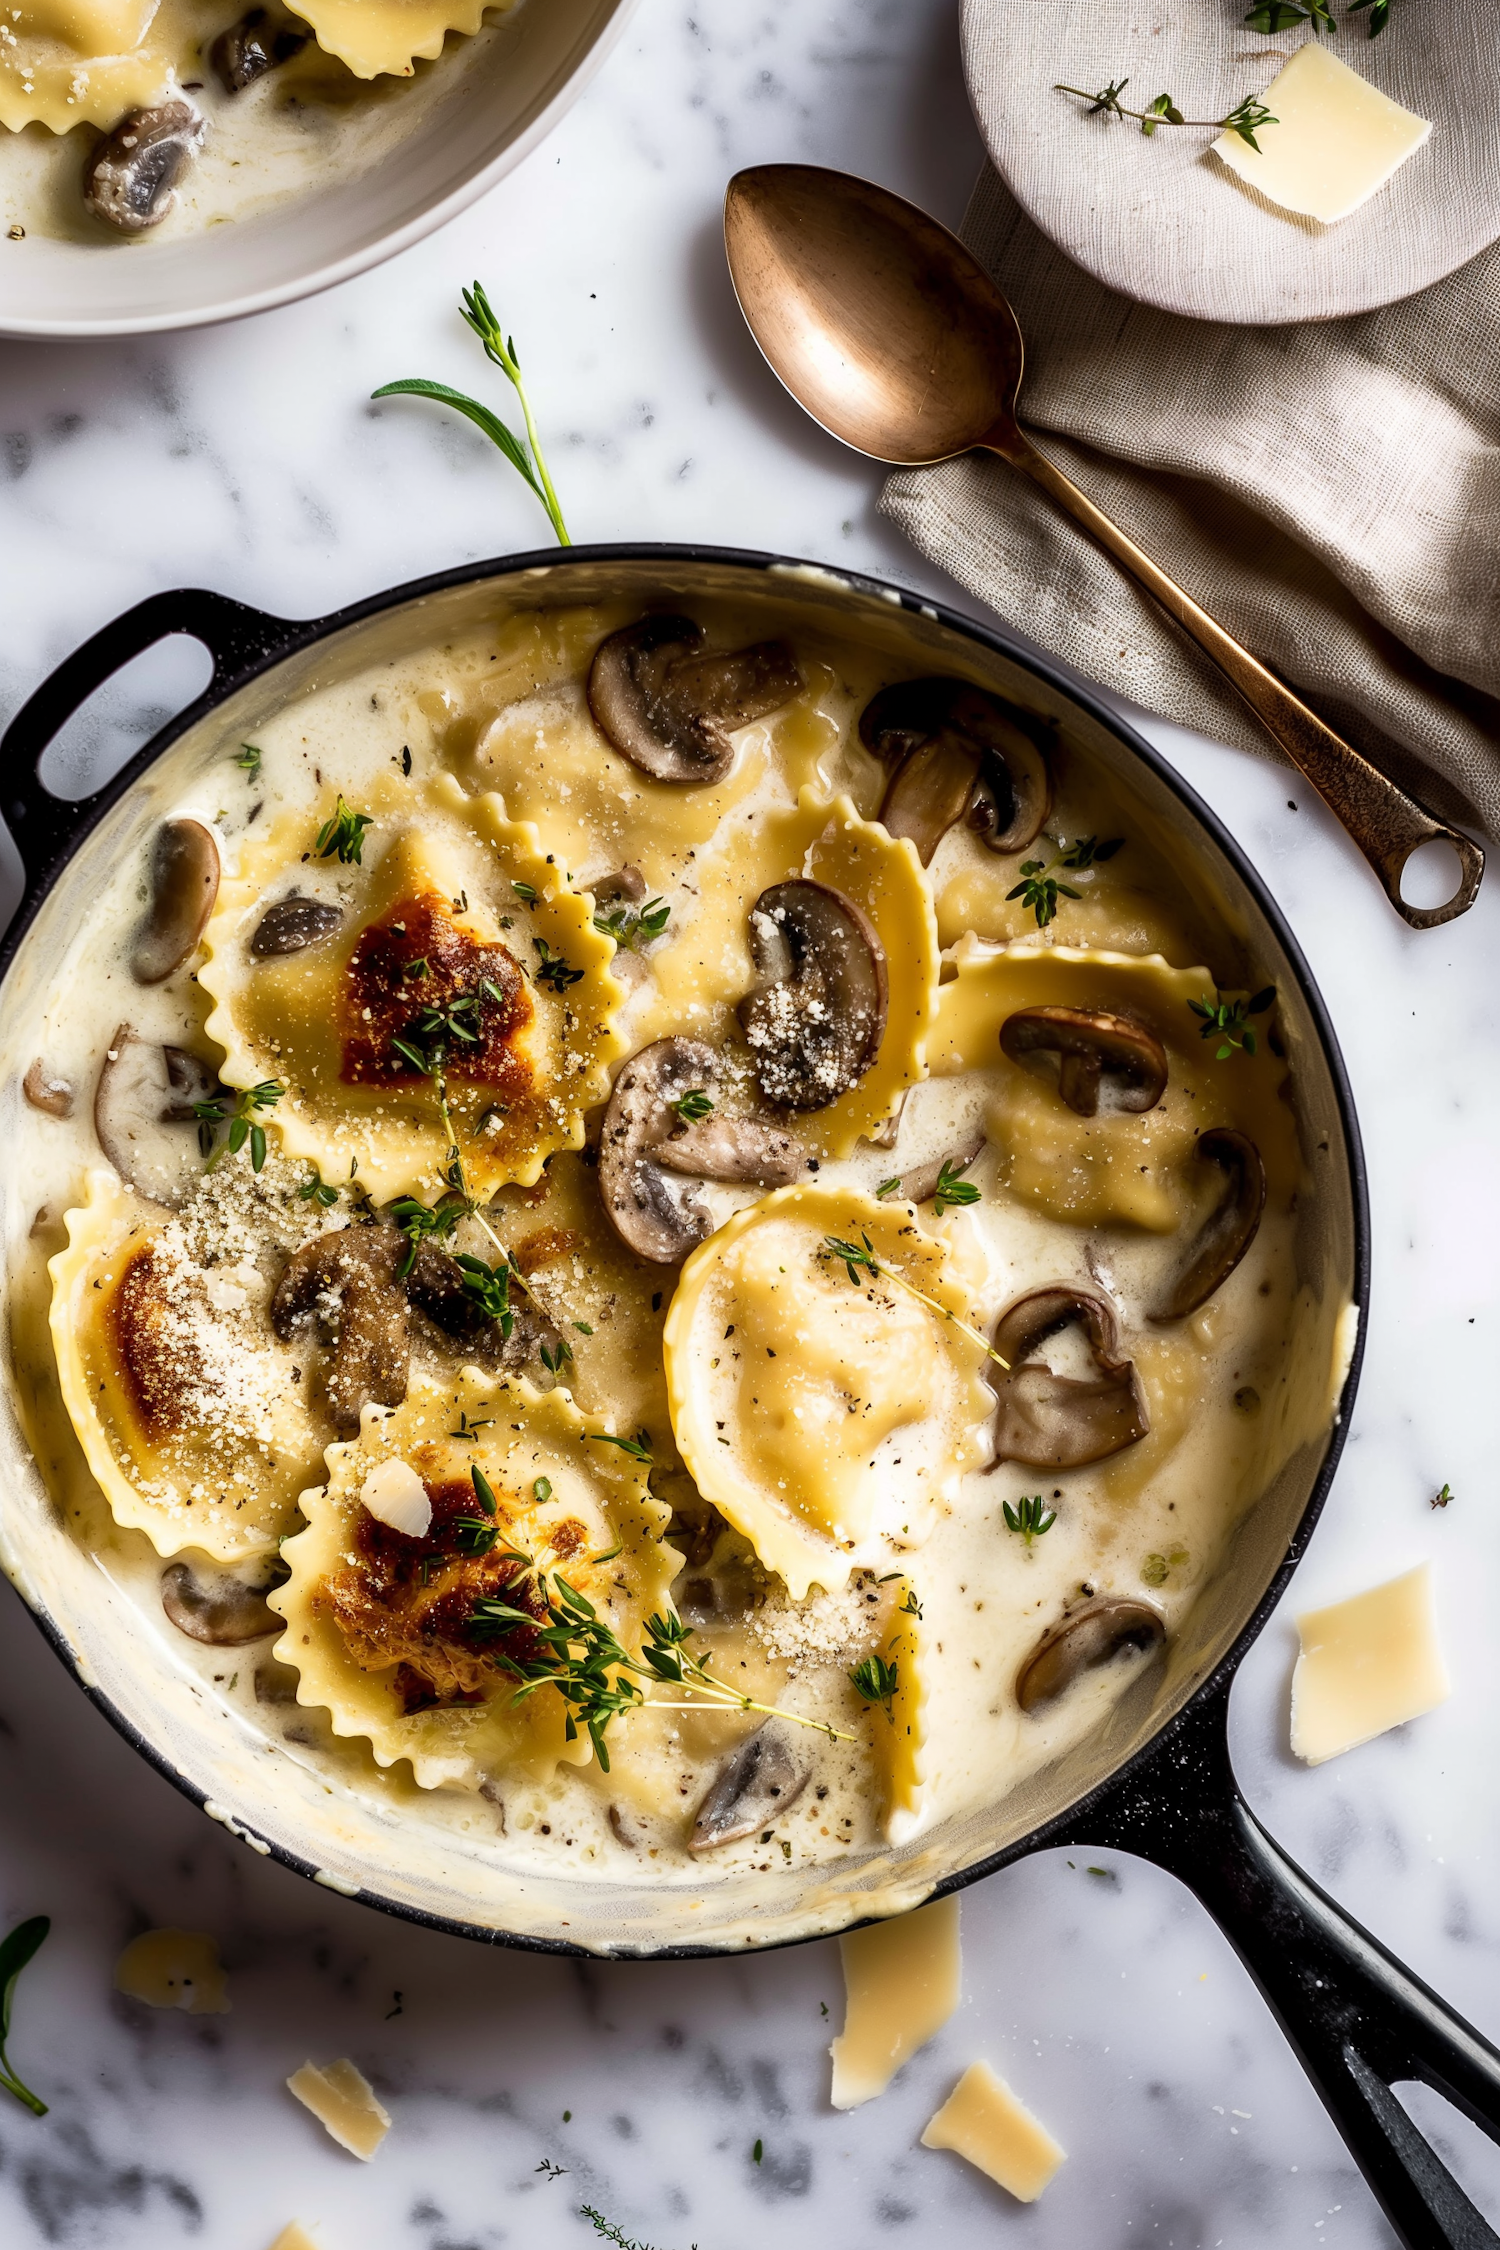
[[492, 113]]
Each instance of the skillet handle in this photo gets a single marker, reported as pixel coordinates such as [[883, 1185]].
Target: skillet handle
[[46, 827], [1359, 2022]]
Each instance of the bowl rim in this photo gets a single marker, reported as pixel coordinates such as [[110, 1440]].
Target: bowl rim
[[69, 328], [302, 634]]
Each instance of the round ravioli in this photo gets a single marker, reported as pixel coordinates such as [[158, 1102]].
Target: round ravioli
[[86, 62], [827, 1415], [708, 967], [384, 1626], [378, 38], [1117, 1167], [424, 985], [191, 1415]]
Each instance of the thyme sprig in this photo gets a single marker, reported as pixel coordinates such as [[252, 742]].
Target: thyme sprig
[[631, 926], [596, 1675], [1245, 119], [342, 835], [859, 1258], [240, 1115], [1041, 887], [1271, 16], [876, 1680], [249, 760], [524, 454], [1029, 1518], [553, 969], [693, 1106], [951, 1192], [1228, 1020], [23, 1943]]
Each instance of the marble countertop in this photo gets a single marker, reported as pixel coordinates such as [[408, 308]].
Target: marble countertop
[[247, 459]]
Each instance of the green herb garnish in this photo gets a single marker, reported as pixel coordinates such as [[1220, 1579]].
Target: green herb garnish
[[1030, 1518], [342, 835], [555, 1357], [1441, 1499], [552, 969], [693, 1107], [638, 1447], [876, 1681], [859, 1259], [1228, 1021], [524, 455], [315, 1189], [951, 1192], [634, 925], [249, 760], [1271, 16], [1246, 119], [240, 1116], [23, 1943]]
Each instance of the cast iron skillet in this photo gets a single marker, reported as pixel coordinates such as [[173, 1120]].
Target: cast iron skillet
[[1359, 2021]]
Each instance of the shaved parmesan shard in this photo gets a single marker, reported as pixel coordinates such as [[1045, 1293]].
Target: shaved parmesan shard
[[1336, 138], [342, 2099], [1366, 1665], [395, 1495], [174, 1969], [902, 1980], [294, 2237], [984, 2123]]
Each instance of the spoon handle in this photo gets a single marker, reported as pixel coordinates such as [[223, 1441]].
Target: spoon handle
[[1387, 825]]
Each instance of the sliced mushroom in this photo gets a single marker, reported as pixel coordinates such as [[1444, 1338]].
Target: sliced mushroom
[[816, 1019], [672, 713], [46, 1091], [257, 43], [645, 1214], [144, 1097], [625, 888], [184, 885], [1093, 1635], [218, 1608], [1229, 1229], [131, 179], [435, 1285], [1089, 1050], [292, 925], [956, 753], [761, 1781], [919, 1185], [1054, 1421], [737, 1150], [351, 1281]]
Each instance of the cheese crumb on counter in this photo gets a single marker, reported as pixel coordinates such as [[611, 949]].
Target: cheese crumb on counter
[[174, 1969], [343, 2101], [983, 2122], [1336, 140], [1366, 1665], [902, 1979]]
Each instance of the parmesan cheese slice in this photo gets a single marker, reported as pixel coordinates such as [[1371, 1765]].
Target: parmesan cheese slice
[[294, 2237], [174, 1969], [983, 2122], [1366, 1665], [342, 2099], [902, 1983], [1336, 138]]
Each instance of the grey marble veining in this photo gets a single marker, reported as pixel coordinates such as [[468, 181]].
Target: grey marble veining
[[249, 459]]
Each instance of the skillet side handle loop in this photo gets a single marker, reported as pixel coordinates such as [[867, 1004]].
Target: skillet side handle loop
[[1359, 2022], [45, 827]]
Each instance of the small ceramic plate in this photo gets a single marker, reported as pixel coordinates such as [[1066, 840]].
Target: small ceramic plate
[[1164, 221]]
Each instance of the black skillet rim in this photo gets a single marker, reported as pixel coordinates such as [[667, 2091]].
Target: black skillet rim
[[304, 634]]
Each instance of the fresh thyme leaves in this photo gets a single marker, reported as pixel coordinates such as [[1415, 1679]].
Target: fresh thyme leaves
[[240, 1115], [858, 1259], [911, 1607], [422, 1222], [610, 2231], [490, 1288], [342, 835], [526, 893], [1380, 14], [315, 1189], [632, 925], [887, 1187], [1271, 16], [1229, 1021], [1030, 1518], [595, 1674], [876, 1681], [638, 1447], [952, 1193], [555, 1357], [249, 760], [1441, 1499], [552, 970], [541, 1491], [1157, 1569], [1088, 851], [1040, 886], [24, 1941], [1245, 119], [693, 1107], [470, 1430], [524, 454], [552, 2171]]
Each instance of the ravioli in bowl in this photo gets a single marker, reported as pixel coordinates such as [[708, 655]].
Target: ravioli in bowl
[[647, 1222]]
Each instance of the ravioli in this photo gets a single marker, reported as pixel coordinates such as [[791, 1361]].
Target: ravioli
[[380, 1625], [1129, 1169], [708, 967], [86, 62], [453, 942], [827, 1419], [190, 1414], [380, 38]]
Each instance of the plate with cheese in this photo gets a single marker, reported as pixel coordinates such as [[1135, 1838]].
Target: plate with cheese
[[1362, 169]]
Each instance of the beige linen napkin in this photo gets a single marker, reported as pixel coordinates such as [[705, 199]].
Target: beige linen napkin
[[1330, 492]]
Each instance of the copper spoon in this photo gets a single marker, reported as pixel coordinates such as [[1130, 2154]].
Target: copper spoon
[[892, 335]]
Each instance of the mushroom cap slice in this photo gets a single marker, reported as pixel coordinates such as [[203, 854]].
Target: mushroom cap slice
[[357, 1268], [220, 1609], [1091, 1636], [45, 1091], [1091, 1046], [931, 732], [144, 1096], [184, 887], [672, 712], [130, 180], [1229, 1229], [1053, 1421], [292, 925], [763, 1778], [644, 1213], [816, 1019], [738, 1150]]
